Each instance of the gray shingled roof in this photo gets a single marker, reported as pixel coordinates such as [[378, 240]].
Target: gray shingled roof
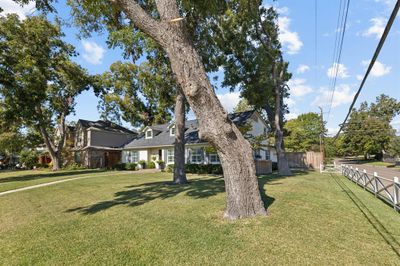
[[163, 138], [105, 125]]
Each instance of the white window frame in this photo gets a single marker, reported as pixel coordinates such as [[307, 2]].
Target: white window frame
[[134, 156], [170, 156], [172, 131], [267, 155], [214, 159], [199, 154], [151, 134]]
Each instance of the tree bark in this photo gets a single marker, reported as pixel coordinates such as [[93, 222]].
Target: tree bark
[[242, 193], [283, 164], [179, 148], [54, 151]]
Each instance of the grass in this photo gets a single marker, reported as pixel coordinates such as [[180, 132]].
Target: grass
[[378, 163], [139, 220], [23, 178]]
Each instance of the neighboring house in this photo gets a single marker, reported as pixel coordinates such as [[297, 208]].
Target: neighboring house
[[99, 144], [157, 142]]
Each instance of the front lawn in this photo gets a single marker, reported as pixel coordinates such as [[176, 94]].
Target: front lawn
[[23, 178], [139, 220]]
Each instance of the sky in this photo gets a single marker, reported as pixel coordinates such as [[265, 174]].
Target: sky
[[300, 36]]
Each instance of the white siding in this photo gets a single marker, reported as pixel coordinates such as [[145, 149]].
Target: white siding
[[143, 155]]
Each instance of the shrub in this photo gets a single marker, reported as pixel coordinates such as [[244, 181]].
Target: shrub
[[120, 166], [203, 169], [215, 169], [169, 168], [130, 166], [29, 158], [151, 165], [74, 166], [142, 163]]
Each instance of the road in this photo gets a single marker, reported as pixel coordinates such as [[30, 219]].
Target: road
[[382, 171]]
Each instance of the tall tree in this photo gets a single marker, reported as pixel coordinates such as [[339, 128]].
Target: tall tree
[[38, 80], [254, 64], [162, 21], [368, 131], [303, 133]]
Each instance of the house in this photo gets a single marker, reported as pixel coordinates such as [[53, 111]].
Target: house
[[98, 144], [156, 143]]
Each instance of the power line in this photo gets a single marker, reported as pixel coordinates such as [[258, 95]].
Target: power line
[[344, 24], [371, 64]]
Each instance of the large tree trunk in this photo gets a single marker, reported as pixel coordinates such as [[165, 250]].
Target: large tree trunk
[[179, 148], [242, 193], [55, 152], [283, 164]]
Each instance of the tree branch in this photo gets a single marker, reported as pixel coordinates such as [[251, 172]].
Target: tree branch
[[142, 20]]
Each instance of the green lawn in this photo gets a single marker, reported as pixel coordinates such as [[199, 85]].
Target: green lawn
[[24, 178], [378, 163], [139, 220]]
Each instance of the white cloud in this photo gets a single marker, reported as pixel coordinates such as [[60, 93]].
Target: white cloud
[[359, 77], [377, 28], [396, 124], [332, 130], [9, 7], [388, 3], [343, 95], [93, 52], [298, 87], [379, 69], [302, 69], [288, 38], [289, 102], [229, 100], [341, 71], [290, 116]]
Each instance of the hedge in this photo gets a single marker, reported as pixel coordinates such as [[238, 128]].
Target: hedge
[[199, 168]]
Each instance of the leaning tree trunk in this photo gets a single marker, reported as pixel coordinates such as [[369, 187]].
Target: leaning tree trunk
[[179, 148], [54, 154], [242, 193]]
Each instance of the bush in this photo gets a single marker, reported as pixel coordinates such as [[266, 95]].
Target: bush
[[29, 158], [130, 166], [151, 165], [74, 166], [169, 168], [142, 163], [215, 169], [120, 166], [204, 169]]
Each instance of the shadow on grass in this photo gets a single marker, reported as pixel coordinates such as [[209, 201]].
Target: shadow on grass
[[50, 174], [198, 188], [369, 216]]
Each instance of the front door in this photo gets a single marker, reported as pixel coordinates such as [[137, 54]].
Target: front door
[[160, 155]]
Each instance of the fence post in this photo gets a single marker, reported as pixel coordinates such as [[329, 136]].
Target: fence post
[[376, 184], [365, 178], [357, 173], [320, 167], [395, 192], [351, 173]]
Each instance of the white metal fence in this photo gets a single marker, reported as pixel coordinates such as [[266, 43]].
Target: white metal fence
[[384, 188]]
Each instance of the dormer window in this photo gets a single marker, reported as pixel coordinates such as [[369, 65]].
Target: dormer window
[[172, 131], [149, 134]]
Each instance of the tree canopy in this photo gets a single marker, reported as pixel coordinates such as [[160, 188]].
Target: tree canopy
[[38, 79], [303, 132]]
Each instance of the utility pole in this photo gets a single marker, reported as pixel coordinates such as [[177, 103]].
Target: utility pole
[[321, 137]]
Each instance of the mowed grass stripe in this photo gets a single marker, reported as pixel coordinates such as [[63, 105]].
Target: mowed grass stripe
[[66, 179]]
